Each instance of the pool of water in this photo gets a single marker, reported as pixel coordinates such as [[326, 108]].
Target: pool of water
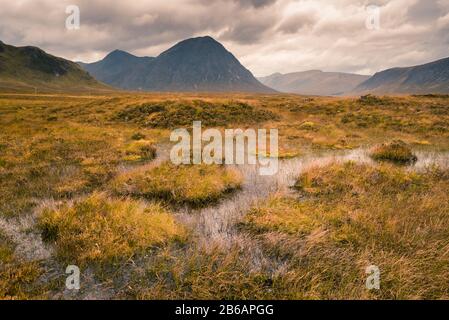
[[215, 225]]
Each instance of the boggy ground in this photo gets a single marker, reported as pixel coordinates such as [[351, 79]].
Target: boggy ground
[[84, 180]]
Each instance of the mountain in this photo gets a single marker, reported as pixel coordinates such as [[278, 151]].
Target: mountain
[[427, 78], [118, 69], [29, 68], [314, 82], [197, 64]]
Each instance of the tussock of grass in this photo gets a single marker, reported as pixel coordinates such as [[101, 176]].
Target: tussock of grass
[[17, 278], [281, 154], [141, 150], [281, 214], [172, 114], [334, 180], [17, 281], [352, 216], [370, 99], [396, 151], [309, 126], [138, 136], [195, 185], [101, 229]]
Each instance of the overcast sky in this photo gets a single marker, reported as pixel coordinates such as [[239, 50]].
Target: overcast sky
[[267, 36]]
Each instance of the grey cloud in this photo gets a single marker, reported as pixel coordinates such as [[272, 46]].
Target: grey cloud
[[297, 22], [246, 3], [266, 35], [424, 11], [256, 3], [249, 31]]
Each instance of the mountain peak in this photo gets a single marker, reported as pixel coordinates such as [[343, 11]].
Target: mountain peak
[[203, 39], [195, 64], [198, 45], [118, 54]]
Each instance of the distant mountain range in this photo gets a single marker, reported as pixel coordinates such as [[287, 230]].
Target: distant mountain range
[[197, 64], [314, 82], [427, 78], [201, 65], [31, 69]]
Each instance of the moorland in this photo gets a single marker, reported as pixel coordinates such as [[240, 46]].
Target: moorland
[[85, 180]]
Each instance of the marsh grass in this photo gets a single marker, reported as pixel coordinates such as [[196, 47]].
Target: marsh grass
[[17, 278], [312, 242], [195, 185], [172, 114], [140, 150], [100, 229], [396, 151], [199, 274], [350, 216]]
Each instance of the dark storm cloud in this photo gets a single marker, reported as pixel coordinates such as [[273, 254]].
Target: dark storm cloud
[[266, 35], [425, 11], [246, 3], [250, 30], [256, 3]]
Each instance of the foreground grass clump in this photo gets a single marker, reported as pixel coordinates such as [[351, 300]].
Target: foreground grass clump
[[17, 278], [141, 150], [396, 151], [195, 185], [170, 114], [351, 216], [370, 99], [199, 274], [101, 229], [18, 281]]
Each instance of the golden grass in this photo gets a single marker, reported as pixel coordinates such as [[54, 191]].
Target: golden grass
[[101, 229], [281, 214], [352, 216], [184, 184], [17, 281], [314, 246], [141, 150], [396, 151], [199, 274], [173, 114], [17, 278]]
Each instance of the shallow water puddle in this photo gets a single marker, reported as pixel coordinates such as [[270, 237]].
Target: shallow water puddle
[[215, 225]]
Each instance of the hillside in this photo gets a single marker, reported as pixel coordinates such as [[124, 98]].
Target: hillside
[[27, 69], [427, 78]]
